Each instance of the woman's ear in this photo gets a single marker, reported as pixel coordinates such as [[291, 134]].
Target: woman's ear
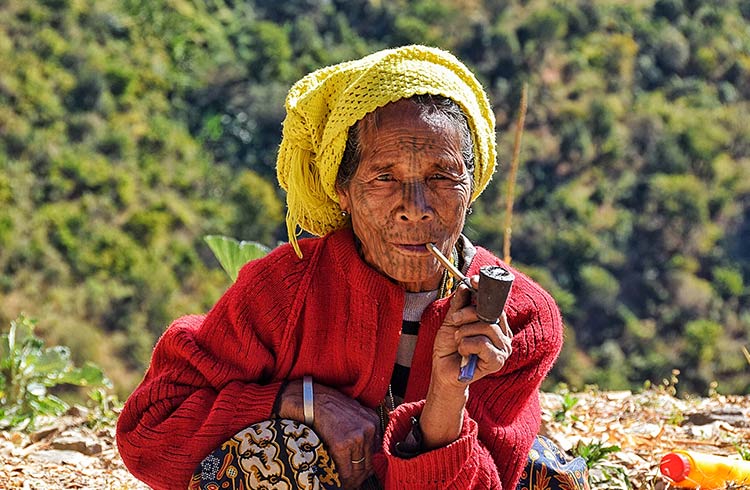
[[344, 201]]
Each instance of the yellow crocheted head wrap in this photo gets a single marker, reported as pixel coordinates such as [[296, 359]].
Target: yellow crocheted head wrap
[[321, 107]]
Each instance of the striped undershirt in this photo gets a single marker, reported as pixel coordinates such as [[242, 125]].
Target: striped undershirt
[[414, 305]]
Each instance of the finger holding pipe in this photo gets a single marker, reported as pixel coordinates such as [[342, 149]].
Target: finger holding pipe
[[491, 294]]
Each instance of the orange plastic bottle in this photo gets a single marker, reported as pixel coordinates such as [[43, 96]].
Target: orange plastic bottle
[[689, 469]]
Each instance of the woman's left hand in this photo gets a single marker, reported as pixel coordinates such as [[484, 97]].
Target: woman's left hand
[[349, 430], [461, 334]]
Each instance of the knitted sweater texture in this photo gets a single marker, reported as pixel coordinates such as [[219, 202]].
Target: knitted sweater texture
[[332, 316]]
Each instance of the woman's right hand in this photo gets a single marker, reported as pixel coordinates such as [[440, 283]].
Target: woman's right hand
[[349, 430]]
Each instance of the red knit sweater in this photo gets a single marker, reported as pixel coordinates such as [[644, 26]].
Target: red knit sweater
[[332, 316]]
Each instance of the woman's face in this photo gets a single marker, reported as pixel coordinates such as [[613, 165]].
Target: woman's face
[[411, 187]]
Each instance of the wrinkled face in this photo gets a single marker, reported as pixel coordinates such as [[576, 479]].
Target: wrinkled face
[[411, 187]]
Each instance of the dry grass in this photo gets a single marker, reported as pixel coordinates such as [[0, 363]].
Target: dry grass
[[645, 426]]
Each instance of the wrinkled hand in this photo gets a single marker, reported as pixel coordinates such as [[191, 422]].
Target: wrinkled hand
[[349, 430], [462, 334]]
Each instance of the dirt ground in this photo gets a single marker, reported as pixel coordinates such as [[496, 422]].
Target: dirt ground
[[64, 454], [645, 427]]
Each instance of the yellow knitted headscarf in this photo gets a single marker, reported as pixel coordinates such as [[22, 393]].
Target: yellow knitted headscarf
[[322, 106]]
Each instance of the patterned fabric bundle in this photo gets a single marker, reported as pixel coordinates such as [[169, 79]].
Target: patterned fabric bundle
[[549, 469], [276, 454], [322, 107], [282, 454]]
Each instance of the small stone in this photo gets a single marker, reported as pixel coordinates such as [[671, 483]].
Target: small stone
[[43, 433], [732, 416], [16, 438], [619, 395], [702, 432], [78, 411], [646, 429], [56, 456], [77, 443]]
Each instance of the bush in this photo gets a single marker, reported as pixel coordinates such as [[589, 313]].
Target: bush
[[672, 51], [601, 120], [668, 9], [599, 286], [259, 213], [680, 197], [667, 157], [728, 281], [575, 144], [271, 52], [744, 6], [543, 26], [28, 370], [702, 337], [86, 94]]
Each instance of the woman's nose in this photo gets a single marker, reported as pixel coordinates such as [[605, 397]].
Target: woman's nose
[[415, 205]]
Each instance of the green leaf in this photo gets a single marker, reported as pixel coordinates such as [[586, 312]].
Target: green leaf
[[12, 419], [97, 395], [233, 254], [594, 452], [92, 375], [30, 370], [5, 357], [52, 361], [48, 405], [88, 375], [21, 329]]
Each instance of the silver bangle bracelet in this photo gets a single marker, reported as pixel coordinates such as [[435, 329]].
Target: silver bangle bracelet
[[307, 400]]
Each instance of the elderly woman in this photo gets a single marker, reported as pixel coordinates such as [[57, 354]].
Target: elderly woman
[[348, 346]]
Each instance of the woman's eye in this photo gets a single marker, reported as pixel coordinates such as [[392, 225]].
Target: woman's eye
[[438, 177], [384, 178]]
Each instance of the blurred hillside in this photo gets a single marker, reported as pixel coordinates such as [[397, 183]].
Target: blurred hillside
[[130, 129]]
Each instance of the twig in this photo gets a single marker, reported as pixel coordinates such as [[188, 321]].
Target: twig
[[509, 196]]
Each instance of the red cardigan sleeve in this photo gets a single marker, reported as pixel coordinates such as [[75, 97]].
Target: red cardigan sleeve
[[463, 464], [201, 388], [502, 415]]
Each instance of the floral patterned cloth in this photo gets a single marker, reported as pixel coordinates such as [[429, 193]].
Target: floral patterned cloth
[[549, 469], [283, 454], [277, 454]]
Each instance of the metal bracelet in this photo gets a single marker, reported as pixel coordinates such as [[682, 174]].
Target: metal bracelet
[[307, 400]]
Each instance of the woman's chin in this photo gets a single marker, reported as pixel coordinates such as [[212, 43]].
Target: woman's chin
[[416, 281]]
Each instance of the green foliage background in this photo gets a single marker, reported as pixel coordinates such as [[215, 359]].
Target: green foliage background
[[130, 129]]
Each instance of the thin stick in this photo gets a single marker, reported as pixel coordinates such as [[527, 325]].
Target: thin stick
[[509, 196], [447, 264]]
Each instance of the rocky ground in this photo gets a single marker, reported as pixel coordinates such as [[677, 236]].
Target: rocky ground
[[645, 427], [65, 454]]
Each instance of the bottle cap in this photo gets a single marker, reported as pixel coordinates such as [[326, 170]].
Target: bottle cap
[[675, 466]]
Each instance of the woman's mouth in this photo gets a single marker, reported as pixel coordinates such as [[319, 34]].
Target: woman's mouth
[[413, 248]]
